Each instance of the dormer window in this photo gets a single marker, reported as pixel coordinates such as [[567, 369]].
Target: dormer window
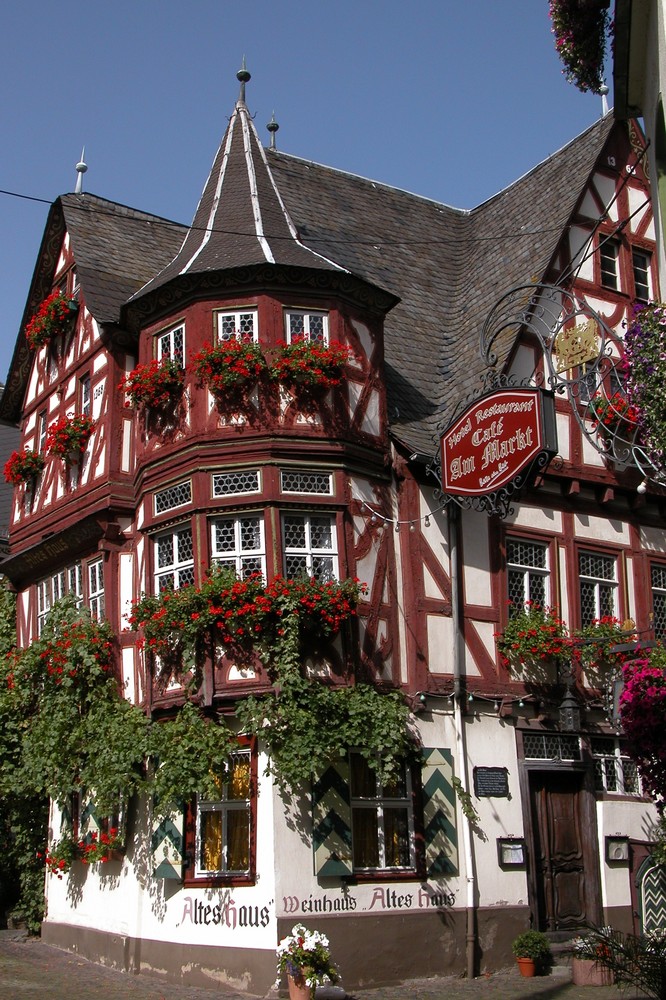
[[238, 324], [171, 345], [311, 326]]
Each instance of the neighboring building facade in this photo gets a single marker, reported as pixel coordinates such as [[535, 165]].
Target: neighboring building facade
[[639, 76], [281, 248]]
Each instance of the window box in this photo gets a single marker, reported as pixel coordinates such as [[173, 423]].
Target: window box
[[309, 365], [230, 369], [67, 438], [156, 385]]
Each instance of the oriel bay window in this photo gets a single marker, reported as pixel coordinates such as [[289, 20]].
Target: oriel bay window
[[238, 544], [382, 818], [171, 345], [310, 545], [237, 324], [173, 559], [221, 831], [301, 325]]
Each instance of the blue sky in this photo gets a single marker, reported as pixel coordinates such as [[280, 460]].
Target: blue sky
[[449, 100]]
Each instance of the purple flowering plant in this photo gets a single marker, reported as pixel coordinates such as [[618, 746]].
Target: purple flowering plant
[[645, 364]]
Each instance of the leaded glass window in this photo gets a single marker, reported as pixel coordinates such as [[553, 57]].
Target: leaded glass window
[[238, 324], [614, 771], [174, 560], [238, 543], [658, 574], [527, 573], [224, 824], [172, 345], [598, 586], [306, 326], [310, 546]]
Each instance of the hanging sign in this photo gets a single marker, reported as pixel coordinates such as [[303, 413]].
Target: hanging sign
[[496, 439]]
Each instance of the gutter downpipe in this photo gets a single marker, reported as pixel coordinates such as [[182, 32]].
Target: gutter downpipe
[[454, 513]]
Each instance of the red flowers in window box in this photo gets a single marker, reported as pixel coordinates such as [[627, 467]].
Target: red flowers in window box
[[23, 466], [615, 414], [230, 366], [309, 364], [69, 435], [53, 317], [158, 384]]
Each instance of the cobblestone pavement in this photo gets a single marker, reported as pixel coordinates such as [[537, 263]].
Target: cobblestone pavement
[[30, 970]]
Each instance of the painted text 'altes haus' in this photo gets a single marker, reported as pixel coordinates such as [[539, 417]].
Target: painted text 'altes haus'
[[352, 312]]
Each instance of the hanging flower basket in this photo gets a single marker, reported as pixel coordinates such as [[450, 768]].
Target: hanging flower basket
[[158, 384], [53, 318], [645, 361], [614, 416], [581, 28], [229, 368], [68, 437], [308, 364], [23, 467]]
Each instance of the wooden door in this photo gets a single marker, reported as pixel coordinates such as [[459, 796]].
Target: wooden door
[[560, 877]]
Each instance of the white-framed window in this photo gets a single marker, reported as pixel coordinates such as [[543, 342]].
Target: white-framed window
[[598, 586], [609, 254], [171, 344], [527, 573], [641, 263], [382, 818], [96, 588], [238, 543], [658, 581], [174, 559], [85, 397], [614, 771], [306, 481], [54, 587], [310, 325], [224, 825], [238, 324], [43, 603], [309, 545], [42, 431], [178, 495], [238, 481]]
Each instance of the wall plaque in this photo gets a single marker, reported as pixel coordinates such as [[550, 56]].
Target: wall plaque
[[491, 782]]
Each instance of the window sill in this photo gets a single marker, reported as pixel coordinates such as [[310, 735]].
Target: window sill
[[215, 881], [386, 875]]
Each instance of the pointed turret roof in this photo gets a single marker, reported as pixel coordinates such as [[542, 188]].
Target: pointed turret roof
[[241, 219]]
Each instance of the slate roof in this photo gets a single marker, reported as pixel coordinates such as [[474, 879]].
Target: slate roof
[[448, 267], [240, 220]]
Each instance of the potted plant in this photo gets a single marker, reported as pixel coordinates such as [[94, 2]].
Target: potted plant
[[23, 467], [533, 634], [53, 317], [230, 367], [67, 437], [587, 968], [614, 416], [305, 958], [308, 364], [532, 951], [158, 384]]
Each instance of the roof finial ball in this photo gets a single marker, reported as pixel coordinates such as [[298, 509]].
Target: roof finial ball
[[272, 128], [243, 76], [603, 90], [81, 168]]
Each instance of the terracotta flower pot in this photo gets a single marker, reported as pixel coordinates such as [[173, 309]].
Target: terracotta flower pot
[[526, 967], [298, 988], [588, 972]]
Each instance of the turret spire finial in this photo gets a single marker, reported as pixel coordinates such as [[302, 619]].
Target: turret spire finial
[[603, 90], [81, 168], [272, 128], [243, 76]]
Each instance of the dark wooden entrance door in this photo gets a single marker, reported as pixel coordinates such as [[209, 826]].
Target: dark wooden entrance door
[[562, 893]]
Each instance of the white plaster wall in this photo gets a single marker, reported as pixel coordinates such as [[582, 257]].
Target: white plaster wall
[[475, 550], [653, 539], [563, 429], [606, 188], [626, 818], [537, 518], [579, 241], [601, 529], [440, 643]]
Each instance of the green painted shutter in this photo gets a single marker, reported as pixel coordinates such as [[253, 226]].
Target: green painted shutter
[[331, 826], [439, 812], [89, 819], [168, 845]]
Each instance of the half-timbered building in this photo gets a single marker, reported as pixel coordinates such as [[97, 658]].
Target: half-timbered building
[[401, 880]]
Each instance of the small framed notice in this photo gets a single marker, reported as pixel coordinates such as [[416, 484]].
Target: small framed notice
[[491, 782]]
